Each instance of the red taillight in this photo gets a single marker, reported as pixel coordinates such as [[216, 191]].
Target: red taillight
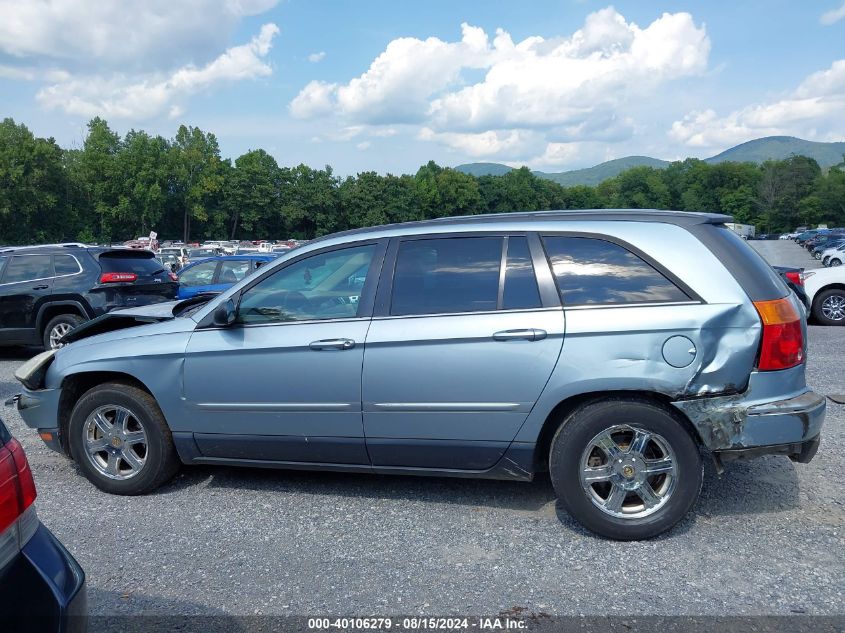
[[795, 277], [17, 488], [173, 277], [110, 278], [783, 341]]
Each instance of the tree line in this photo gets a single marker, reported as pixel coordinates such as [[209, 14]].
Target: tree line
[[114, 188]]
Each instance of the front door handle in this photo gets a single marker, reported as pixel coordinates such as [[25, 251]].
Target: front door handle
[[332, 343], [40, 287], [528, 334]]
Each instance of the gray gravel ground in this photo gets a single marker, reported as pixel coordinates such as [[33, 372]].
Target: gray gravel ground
[[766, 537]]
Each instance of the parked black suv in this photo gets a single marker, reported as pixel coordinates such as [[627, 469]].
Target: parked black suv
[[45, 291]]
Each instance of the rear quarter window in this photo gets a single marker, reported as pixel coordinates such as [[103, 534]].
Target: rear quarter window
[[759, 281], [590, 271]]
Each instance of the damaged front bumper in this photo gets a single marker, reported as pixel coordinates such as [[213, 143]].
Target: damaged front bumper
[[777, 414]]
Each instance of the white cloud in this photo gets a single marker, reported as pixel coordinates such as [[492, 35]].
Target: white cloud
[[400, 81], [531, 93], [364, 145], [492, 143], [119, 96], [315, 99], [106, 34], [813, 110], [833, 16], [316, 57]]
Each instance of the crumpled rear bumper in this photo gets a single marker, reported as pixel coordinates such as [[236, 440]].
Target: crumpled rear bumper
[[762, 420]]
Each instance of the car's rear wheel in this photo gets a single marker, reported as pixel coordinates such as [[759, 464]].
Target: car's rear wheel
[[625, 469], [121, 441], [57, 327], [817, 255], [835, 261], [829, 307]]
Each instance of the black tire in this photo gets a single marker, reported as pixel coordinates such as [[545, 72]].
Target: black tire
[[835, 261], [583, 425], [836, 295], [160, 461], [71, 320]]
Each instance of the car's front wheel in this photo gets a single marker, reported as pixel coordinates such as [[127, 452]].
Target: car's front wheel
[[625, 469], [121, 441], [835, 261]]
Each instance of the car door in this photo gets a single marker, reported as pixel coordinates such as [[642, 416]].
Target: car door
[[461, 345], [283, 383], [25, 285]]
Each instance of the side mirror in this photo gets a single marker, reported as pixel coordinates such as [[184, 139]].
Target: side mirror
[[225, 313]]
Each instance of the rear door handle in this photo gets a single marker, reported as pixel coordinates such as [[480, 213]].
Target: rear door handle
[[529, 334], [332, 343], [40, 287]]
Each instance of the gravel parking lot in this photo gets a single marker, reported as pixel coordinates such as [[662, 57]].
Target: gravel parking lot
[[766, 537]]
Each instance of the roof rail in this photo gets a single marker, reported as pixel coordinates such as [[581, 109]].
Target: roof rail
[[7, 249]]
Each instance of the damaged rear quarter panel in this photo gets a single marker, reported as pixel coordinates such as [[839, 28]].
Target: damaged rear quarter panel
[[620, 348]]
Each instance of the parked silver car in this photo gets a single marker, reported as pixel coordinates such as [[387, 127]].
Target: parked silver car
[[607, 347]]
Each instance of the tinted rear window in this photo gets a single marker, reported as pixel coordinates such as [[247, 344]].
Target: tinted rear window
[[138, 263], [591, 271], [437, 276], [759, 281]]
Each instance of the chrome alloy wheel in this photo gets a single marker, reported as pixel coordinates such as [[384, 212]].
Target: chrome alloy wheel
[[115, 442], [58, 331], [833, 307], [628, 472]]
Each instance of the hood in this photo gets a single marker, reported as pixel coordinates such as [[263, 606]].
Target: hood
[[132, 317]]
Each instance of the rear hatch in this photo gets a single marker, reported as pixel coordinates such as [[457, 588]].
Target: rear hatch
[[134, 277]]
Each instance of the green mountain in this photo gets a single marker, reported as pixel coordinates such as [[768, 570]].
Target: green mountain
[[756, 151], [602, 171], [780, 147], [484, 169]]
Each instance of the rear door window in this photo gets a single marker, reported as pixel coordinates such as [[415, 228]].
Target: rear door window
[[28, 268], [447, 275], [591, 271]]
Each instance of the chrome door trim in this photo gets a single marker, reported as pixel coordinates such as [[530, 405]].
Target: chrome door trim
[[50, 255], [444, 406], [276, 406]]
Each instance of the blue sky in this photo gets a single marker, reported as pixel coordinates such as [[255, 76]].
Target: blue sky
[[388, 85]]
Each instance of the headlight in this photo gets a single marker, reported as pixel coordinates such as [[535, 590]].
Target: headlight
[[31, 373]]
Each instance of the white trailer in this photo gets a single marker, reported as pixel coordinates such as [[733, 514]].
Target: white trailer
[[745, 231]]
